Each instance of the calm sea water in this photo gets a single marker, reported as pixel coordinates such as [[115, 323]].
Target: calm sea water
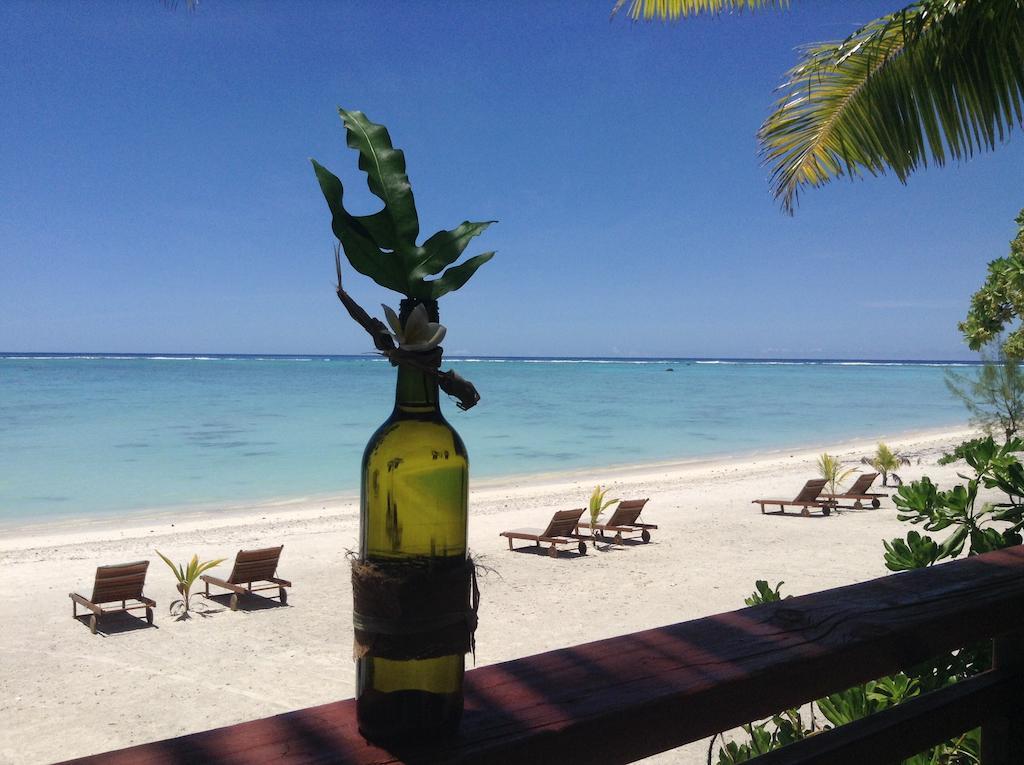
[[98, 435]]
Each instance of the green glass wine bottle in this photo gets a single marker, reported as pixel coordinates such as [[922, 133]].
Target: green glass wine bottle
[[413, 516]]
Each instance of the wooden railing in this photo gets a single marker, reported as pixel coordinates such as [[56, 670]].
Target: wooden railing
[[628, 697]]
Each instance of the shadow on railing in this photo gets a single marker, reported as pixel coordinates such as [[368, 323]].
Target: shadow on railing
[[632, 696]]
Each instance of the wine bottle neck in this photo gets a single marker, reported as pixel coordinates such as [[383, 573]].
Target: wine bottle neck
[[416, 391]]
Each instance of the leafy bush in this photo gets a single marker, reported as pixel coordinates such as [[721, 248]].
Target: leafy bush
[[763, 593], [971, 528], [995, 467]]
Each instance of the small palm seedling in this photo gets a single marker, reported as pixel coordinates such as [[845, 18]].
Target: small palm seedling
[[885, 461], [598, 504], [187, 576], [833, 471]]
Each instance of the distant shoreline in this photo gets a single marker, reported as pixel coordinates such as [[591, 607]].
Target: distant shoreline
[[299, 507], [471, 357]]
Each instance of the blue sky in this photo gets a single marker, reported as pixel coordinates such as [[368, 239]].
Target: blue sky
[[158, 195]]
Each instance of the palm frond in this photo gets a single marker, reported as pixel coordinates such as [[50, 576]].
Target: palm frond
[[208, 565], [177, 574], [833, 471], [670, 10], [939, 80]]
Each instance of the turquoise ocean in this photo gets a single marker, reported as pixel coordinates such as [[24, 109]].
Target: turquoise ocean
[[85, 436]]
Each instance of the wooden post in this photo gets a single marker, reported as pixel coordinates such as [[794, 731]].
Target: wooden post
[[1002, 737]]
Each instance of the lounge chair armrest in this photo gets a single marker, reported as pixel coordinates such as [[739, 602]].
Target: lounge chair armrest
[[222, 583], [86, 603], [644, 525], [148, 601], [280, 582]]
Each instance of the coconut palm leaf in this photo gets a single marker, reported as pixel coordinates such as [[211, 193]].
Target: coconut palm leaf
[[186, 576], [833, 471], [598, 504], [886, 461], [669, 10], [938, 80], [179, 573]]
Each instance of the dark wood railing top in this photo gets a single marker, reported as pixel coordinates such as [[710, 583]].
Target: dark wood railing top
[[628, 697]]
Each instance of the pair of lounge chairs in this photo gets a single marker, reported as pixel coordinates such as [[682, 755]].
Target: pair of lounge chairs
[[125, 581], [812, 497], [565, 526]]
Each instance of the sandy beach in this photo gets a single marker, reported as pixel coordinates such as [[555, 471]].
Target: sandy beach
[[66, 693]]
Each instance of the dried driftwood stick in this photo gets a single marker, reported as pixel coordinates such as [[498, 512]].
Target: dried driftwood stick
[[452, 383]]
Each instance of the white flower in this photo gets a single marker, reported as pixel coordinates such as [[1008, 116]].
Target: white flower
[[418, 333]]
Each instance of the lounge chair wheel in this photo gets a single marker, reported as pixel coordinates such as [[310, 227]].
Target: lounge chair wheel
[[582, 547], [234, 602], [92, 624], [826, 511], [875, 503], [618, 538], [149, 615], [804, 511], [857, 505], [284, 595], [553, 551], [645, 535]]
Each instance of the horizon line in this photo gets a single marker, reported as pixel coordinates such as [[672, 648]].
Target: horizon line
[[466, 356]]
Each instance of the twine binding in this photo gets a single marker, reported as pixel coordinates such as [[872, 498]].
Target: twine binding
[[414, 609]]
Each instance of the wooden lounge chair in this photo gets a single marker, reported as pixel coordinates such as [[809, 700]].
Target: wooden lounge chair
[[859, 493], [623, 521], [561, 531], [251, 566], [809, 497], [121, 582]]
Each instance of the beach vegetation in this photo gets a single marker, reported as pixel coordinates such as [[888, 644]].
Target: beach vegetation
[[187, 574], [994, 395], [976, 528], [383, 245], [886, 462], [764, 593], [833, 471], [999, 303], [597, 505], [971, 528], [935, 81]]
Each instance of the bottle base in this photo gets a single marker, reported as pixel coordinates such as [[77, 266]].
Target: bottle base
[[403, 716]]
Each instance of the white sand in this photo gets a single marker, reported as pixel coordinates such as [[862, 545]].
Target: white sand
[[66, 693]]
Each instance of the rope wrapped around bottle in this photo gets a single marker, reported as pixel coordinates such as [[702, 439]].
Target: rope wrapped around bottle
[[452, 383], [414, 609]]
